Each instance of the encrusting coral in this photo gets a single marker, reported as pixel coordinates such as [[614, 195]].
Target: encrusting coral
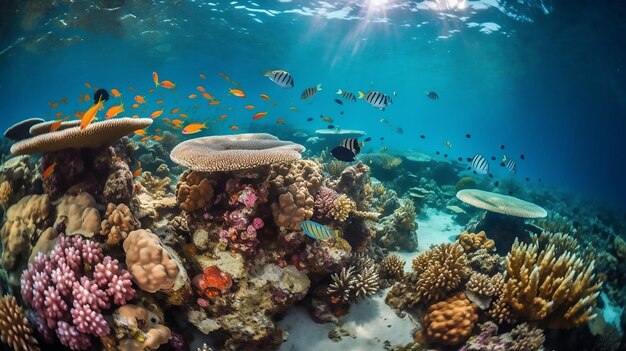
[[137, 329], [558, 291], [119, 221], [450, 322], [15, 331]]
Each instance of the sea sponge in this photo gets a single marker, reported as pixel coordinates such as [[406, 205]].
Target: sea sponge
[[465, 183], [558, 291], [221, 153], [24, 220], [450, 322], [439, 270], [118, 223], [138, 329], [342, 207], [78, 215], [150, 264], [15, 330], [193, 191], [213, 281], [95, 135], [472, 242]]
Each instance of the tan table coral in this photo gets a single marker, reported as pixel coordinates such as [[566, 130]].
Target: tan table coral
[[503, 204], [44, 127], [450, 322], [23, 221], [138, 329], [79, 215], [557, 290], [95, 135], [222, 153], [150, 264]]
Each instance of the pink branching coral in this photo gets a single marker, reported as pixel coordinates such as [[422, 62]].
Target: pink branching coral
[[71, 287]]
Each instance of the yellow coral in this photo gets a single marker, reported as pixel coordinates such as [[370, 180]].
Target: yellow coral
[[5, 193], [472, 242], [559, 291], [439, 271], [193, 191], [450, 322], [342, 207], [484, 285], [157, 187]]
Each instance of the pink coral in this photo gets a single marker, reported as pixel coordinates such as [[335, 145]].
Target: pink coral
[[68, 295], [258, 223], [324, 202]]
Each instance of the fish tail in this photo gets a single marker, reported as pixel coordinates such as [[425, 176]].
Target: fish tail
[[318, 86], [361, 95], [339, 91], [267, 73]]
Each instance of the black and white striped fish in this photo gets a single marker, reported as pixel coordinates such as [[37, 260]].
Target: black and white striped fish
[[347, 149], [346, 95], [310, 91], [283, 78], [510, 165], [480, 164], [376, 99]]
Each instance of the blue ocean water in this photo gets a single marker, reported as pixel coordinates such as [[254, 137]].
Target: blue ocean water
[[544, 79]]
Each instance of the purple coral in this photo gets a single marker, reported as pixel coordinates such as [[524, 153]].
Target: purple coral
[[324, 202], [68, 290]]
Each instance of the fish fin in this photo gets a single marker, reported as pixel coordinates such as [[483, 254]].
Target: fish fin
[[339, 91], [318, 86], [267, 73], [361, 95]]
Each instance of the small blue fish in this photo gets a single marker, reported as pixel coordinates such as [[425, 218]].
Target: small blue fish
[[317, 231]]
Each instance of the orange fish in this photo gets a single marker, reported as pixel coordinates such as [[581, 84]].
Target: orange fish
[[59, 114], [54, 104], [137, 172], [140, 132], [249, 107], [259, 115], [135, 116], [150, 91], [155, 79], [237, 93], [131, 88], [159, 102], [280, 121], [87, 97], [223, 116], [193, 96], [157, 138], [48, 171], [167, 84], [177, 122], [233, 127], [156, 113], [144, 139], [214, 102], [201, 89], [264, 97], [207, 96], [114, 111], [135, 105], [88, 85], [64, 100], [115, 92], [202, 76], [194, 128], [79, 114], [183, 115], [80, 99], [174, 110], [90, 114], [140, 99], [54, 126]]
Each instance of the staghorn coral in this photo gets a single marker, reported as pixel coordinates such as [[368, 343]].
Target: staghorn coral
[[223, 153], [341, 208], [559, 291], [525, 337], [393, 267], [450, 322], [150, 264], [78, 215], [118, 223], [24, 221], [561, 242], [193, 191], [138, 329], [95, 135], [556, 223], [15, 331], [472, 242], [155, 186]]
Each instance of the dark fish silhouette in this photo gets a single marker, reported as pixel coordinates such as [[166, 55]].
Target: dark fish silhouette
[[339, 101], [432, 95], [100, 95]]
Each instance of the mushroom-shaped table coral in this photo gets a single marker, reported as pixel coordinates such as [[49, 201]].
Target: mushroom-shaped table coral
[[19, 130], [222, 153], [450, 322], [504, 219], [150, 264], [78, 215], [95, 135], [138, 329], [44, 127], [15, 330]]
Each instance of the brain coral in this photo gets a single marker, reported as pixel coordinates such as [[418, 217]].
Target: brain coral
[[223, 153], [450, 322], [95, 135], [149, 262]]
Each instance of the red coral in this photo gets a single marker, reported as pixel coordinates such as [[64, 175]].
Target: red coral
[[214, 282]]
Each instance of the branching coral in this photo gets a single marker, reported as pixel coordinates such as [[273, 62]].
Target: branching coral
[[157, 187], [69, 288], [450, 322], [193, 191], [118, 223], [472, 242], [393, 267], [342, 207], [559, 291], [480, 288], [15, 331], [361, 279], [138, 329]]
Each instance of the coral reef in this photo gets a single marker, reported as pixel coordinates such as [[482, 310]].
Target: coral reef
[[472, 242], [397, 231], [155, 186], [522, 338], [118, 223], [450, 322], [465, 183], [193, 191], [393, 267], [78, 215], [15, 331], [72, 287]]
